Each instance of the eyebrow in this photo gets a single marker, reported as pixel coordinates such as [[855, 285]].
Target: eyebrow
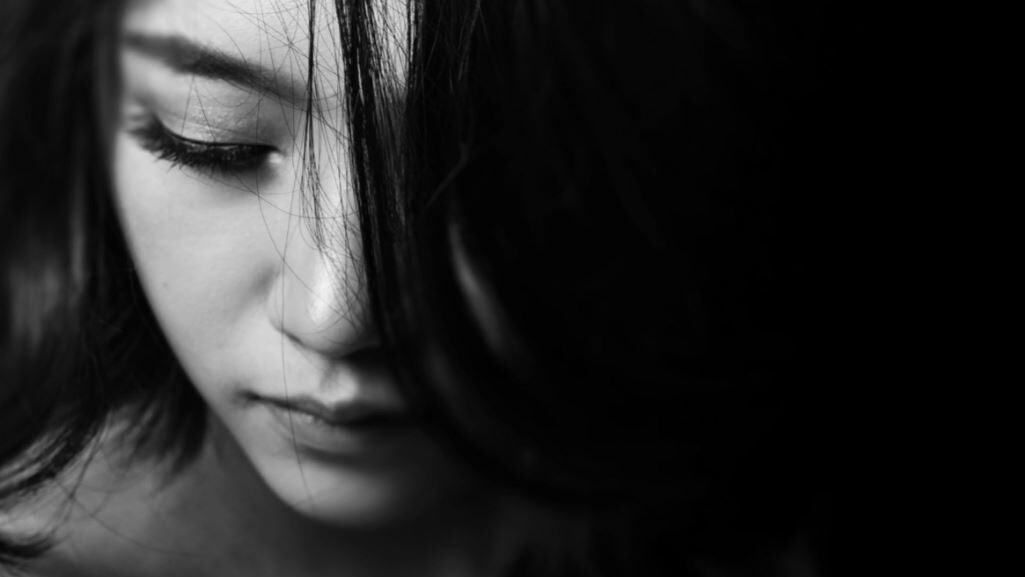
[[187, 57]]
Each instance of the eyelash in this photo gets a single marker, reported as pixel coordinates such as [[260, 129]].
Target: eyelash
[[213, 157]]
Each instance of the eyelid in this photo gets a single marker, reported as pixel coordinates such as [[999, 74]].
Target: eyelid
[[211, 156], [218, 143]]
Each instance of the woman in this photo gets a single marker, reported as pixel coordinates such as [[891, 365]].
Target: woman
[[440, 288]]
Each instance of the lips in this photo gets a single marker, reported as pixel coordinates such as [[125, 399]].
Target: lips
[[348, 414], [344, 429]]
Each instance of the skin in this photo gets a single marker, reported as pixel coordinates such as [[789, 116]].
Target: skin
[[254, 305], [248, 300]]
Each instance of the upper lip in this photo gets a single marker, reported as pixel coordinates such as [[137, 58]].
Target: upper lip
[[342, 413]]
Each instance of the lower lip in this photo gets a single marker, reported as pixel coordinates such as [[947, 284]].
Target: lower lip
[[315, 437]]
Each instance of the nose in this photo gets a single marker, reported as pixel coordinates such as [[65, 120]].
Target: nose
[[318, 299]]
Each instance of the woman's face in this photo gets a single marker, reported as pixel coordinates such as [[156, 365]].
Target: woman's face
[[268, 318]]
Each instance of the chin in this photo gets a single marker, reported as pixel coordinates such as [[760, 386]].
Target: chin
[[361, 495], [349, 480], [340, 496]]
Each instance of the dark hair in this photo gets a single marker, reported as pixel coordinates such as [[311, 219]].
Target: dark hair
[[606, 277], [583, 238], [77, 339]]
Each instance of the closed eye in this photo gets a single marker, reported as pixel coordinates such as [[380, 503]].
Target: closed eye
[[227, 158]]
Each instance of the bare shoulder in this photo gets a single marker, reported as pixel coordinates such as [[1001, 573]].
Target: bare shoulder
[[49, 565], [35, 516], [37, 520], [82, 487], [89, 516]]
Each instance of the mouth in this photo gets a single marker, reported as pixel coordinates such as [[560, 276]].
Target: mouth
[[347, 414], [319, 428]]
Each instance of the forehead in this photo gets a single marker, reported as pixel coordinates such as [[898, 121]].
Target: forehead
[[285, 36], [251, 28]]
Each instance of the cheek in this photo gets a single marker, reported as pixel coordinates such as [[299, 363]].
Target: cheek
[[200, 259]]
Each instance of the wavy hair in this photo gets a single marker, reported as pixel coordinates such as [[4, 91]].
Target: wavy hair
[[584, 241]]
